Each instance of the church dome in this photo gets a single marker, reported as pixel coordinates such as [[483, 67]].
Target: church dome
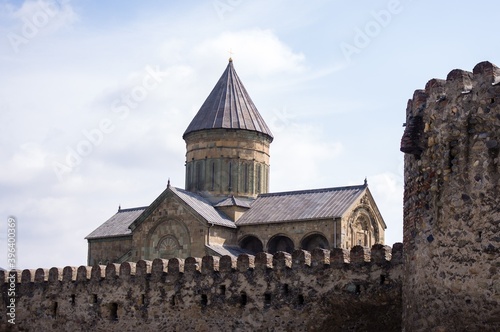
[[227, 143], [229, 107]]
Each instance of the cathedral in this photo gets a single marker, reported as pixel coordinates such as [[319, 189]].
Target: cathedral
[[226, 207]]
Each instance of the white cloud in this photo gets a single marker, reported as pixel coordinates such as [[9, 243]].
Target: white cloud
[[301, 158], [44, 15], [260, 50], [23, 165]]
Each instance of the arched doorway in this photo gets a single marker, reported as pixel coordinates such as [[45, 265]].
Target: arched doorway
[[251, 243], [280, 243], [314, 241]]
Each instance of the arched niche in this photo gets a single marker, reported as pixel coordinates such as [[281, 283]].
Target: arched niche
[[252, 244], [362, 228], [168, 239], [314, 241], [280, 243]]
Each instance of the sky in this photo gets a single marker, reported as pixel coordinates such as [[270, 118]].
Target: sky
[[95, 97]]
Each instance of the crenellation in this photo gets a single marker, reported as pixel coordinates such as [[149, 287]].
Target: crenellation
[[192, 265], [263, 261], [418, 102], [227, 264], [112, 270], [339, 256], [485, 74], [381, 254], [320, 258], [397, 253], [83, 273], [158, 269], [245, 262], [360, 255], [55, 274], [301, 259], [281, 261], [41, 275], [436, 89], [175, 266], [458, 82], [28, 276], [69, 273], [143, 268], [98, 272], [209, 264]]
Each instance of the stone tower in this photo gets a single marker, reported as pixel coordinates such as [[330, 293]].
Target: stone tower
[[227, 143], [452, 204]]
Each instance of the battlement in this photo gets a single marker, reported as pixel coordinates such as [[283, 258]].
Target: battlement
[[429, 108], [159, 270], [451, 200], [293, 289]]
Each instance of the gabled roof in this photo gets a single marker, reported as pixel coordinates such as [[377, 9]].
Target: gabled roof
[[301, 205], [125, 220], [228, 106], [203, 208], [196, 203], [118, 224]]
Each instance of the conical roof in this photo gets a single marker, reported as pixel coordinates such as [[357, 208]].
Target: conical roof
[[228, 106]]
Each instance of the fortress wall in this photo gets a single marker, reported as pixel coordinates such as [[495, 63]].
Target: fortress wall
[[452, 204], [318, 291]]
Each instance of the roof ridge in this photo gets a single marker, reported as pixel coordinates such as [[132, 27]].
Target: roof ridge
[[133, 209], [308, 191]]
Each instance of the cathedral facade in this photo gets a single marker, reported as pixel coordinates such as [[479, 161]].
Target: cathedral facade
[[226, 207]]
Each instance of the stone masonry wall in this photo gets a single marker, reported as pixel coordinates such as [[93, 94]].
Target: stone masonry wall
[[339, 290], [103, 251], [452, 204], [173, 224], [227, 161]]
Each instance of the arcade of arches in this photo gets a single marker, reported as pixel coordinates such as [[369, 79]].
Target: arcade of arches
[[360, 227]]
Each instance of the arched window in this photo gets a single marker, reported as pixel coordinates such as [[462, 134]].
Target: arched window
[[280, 243], [314, 241], [252, 244]]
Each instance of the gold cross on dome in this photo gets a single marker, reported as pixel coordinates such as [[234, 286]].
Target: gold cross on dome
[[230, 54]]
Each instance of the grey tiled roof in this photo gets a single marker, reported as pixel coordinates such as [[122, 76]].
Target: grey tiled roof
[[204, 208], [232, 251], [301, 205], [233, 201], [118, 224], [229, 106]]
